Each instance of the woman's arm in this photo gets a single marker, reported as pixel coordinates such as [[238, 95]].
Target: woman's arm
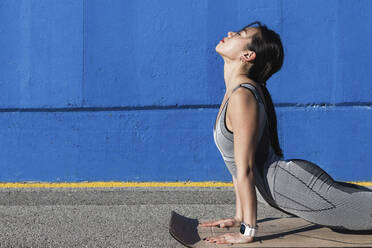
[[244, 120], [238, 205]]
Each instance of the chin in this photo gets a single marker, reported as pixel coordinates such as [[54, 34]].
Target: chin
[[218, 49]]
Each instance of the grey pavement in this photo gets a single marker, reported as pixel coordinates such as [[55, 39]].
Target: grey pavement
[[108, 217]]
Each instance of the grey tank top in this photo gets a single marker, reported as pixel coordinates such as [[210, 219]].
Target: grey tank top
[[265, 157]]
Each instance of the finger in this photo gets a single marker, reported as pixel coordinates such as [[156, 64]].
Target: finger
[[204, 223], [209, 223], [210, 239], [225, 239], [220, 222], [229, 222], [216, 238], [221, 240], [223, 224]]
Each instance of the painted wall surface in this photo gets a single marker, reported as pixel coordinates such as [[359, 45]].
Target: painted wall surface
[[129, 90]]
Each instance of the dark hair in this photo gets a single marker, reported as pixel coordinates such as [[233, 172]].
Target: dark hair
[[269, 59]]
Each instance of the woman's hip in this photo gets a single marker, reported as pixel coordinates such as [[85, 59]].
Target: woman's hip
[[300, 185]]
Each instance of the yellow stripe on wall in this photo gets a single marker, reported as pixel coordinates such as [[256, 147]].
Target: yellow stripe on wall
[[129, 184]]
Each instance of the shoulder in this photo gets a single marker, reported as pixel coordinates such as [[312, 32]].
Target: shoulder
[[243, 111], [242, 98]]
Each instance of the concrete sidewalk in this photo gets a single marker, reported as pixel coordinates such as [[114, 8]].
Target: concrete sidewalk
[[107, 217]]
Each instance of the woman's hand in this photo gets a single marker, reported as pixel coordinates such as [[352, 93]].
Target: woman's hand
[[230, 222], [229, 238]]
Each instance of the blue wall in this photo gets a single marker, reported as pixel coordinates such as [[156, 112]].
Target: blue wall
[[129, 90]]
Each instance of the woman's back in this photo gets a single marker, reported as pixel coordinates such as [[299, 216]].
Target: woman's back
[[296, 186]]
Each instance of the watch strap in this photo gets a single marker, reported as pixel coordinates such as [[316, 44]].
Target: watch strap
[[247, 230]]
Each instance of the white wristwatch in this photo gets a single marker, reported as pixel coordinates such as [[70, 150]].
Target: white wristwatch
[[247, 230]]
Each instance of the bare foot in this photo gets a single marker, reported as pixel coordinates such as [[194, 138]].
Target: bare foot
[[230, 222]]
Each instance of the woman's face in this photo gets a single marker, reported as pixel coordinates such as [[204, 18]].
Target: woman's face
[[235, 44]]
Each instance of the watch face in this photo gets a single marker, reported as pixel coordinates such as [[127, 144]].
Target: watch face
[[242, 228]]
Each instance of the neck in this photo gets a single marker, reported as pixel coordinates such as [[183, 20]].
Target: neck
[[235, 74]]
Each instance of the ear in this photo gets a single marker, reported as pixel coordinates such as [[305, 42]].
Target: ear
[[248, 56]]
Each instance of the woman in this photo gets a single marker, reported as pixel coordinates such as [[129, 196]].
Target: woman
[[245, 133]]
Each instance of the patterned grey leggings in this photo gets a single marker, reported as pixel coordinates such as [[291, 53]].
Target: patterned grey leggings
[[302, 188]]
